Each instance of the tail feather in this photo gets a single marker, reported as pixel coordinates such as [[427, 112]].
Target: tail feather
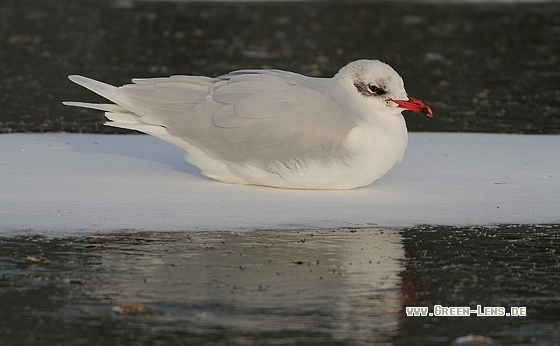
[[107, 91], [107, 107], [154, 130], [118, 115]]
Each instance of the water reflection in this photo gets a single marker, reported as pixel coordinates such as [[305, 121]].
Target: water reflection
[[330, 287], [336, 286], [494, 266]]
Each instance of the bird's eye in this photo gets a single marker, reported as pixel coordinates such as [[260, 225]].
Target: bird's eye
[[374, 88]]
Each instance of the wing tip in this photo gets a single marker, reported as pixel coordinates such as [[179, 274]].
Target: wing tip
[[75, 104], [76, 78]]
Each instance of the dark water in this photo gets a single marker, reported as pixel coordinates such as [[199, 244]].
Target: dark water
[[330, 287], [482, 67]]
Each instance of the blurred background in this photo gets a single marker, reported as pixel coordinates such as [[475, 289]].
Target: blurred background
[[483, 67]]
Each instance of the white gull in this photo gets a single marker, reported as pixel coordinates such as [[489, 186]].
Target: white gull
[[272, 127]]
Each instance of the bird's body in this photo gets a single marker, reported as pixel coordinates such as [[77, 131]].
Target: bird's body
[[270, 127]]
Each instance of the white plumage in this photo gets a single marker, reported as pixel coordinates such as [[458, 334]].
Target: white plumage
[[271, 127]]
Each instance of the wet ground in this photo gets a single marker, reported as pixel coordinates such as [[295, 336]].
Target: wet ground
[[330, 287], [482, 67]]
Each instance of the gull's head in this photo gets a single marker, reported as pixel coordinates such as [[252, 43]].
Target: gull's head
[[379, 88]]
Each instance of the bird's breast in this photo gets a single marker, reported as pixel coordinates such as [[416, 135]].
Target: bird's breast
[[376, 148]]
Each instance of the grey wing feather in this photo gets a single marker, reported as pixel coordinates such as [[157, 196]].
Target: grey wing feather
[[244, 115], [107, 107]]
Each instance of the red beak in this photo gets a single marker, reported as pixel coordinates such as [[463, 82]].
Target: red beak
[[415, 105]]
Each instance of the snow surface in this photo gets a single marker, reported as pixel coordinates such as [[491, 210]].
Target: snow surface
[[69, 184]]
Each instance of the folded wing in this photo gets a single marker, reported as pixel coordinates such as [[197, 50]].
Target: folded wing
[[238, 117]]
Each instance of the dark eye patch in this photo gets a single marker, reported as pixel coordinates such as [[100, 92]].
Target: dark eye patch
[[369, 89]]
